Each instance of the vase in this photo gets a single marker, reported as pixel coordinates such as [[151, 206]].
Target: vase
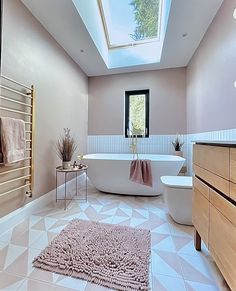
[[66, 165], [179, 153]]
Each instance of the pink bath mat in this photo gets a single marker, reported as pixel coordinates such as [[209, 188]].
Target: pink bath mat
[[110, 255]]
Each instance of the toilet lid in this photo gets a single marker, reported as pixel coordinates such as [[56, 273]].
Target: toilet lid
[[177, 181]]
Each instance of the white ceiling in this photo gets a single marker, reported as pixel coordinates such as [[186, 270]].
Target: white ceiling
[[61, 19]]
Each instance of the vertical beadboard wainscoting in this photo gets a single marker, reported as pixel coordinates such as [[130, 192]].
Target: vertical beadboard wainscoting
[[155, 144]]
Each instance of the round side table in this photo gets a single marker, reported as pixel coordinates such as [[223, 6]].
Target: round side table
[[76, 170]]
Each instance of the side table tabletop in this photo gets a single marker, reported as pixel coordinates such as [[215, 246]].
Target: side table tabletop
[[76, 170]]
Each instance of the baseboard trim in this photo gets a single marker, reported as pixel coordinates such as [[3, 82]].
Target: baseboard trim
[[12, 219]]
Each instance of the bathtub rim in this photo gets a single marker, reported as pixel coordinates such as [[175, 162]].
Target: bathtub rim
[[110, 157]]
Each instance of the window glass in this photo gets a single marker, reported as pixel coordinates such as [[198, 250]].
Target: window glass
[[137, 113]]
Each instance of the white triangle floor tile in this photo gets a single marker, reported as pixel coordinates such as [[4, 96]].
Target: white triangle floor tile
[[196, 286], [14, 287], [10, 282], [72, 283], [159, 266], [127, 211], [118, 219], [165, 245], [137, 221], [13, 253], [162, 229], [162, 282], [6, 236], [33, 285], [107, 220], [41, 242], [83, 216], [49, 222], [33, 219], [195, 268]]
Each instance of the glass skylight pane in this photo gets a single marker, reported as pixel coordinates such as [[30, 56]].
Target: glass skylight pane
[[130, 21]]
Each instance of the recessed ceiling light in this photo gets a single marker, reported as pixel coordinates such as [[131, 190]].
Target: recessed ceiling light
[[234, 14], [235, 84], [184, 34]]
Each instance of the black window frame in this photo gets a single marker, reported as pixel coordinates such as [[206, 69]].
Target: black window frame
[[127, 107]]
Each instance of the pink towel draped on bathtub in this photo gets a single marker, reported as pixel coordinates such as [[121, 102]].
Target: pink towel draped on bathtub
[[141, 172]]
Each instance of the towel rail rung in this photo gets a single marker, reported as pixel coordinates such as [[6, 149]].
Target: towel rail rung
[[16, 111], [14, 170], [16, 82], [14, 189], [25, 159], [15, 179], [15, 91], [14, 101]]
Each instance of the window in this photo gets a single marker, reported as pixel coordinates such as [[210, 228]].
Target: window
[[137, 113], [130, 22]]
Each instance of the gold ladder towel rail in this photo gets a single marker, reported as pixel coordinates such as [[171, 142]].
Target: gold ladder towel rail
[[15, 82], [29, 114], [15, 189], [15, 101], [15, 91], [14, 170]]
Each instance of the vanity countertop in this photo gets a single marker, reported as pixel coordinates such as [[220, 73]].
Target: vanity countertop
[[216, 142]]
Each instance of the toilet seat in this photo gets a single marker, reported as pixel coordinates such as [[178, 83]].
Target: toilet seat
[[184, 182]]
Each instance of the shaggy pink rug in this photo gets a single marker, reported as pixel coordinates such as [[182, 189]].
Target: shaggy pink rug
[[110, 255]]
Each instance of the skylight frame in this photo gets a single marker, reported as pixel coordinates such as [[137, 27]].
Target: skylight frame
[[134, 43]]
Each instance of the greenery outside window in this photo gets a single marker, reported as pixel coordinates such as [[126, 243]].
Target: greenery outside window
[[137, 113], [130, 22]]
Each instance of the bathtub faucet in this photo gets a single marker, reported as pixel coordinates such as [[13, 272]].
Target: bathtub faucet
[[134, 145]]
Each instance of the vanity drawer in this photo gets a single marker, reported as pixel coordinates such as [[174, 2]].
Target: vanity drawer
[[200, 216], [233, 191], [227, 208], [201, 187], [233, 165], [222, 236], [212, 158], [216, 181]]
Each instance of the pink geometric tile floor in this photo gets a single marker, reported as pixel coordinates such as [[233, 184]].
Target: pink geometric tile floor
[[175, 265]]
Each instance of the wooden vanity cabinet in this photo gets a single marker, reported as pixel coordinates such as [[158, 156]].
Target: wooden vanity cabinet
[[214, 204]]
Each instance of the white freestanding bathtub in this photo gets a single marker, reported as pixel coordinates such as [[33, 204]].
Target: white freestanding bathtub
[[110, 172]]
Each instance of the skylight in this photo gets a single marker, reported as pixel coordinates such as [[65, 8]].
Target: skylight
[[130, 22], [122, 38]]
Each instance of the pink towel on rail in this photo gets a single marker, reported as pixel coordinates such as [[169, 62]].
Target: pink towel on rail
[[141, 172], [12, 133]]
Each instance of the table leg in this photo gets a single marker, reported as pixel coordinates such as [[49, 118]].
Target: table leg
[[76, 183], [65, 190], [56, 186], [86, 186]]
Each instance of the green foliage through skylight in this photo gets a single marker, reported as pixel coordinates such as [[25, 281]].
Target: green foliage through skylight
[[128, 21], [146, 14]]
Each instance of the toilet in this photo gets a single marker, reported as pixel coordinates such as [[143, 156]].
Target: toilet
[[178, 192]]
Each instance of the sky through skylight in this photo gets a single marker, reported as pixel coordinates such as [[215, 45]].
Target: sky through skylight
[[129, 21]]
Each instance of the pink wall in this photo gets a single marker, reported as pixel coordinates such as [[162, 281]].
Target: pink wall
[[31, 56], [211, 95], [167, 101]]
